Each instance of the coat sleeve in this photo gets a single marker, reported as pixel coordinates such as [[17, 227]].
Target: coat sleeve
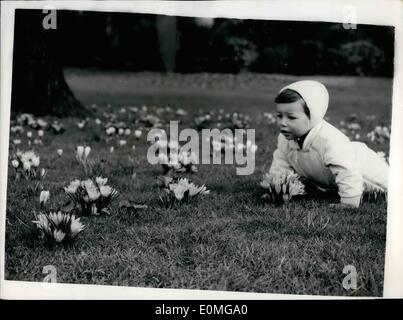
[[280, 163], [339, 156]]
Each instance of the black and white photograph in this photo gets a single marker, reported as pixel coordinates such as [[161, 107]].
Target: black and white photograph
[[198, 151]]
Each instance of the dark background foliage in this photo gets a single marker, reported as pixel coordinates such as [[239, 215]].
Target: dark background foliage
[[127, 41]]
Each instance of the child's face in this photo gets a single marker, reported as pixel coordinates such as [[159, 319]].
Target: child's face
[[292, 120]]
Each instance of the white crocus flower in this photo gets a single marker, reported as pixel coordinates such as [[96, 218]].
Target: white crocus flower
[[266, 181], [193, 158], [162, 158], [122, 143], [121, 131], [42, 123], [181, 112], [162, 143], [137, 133], [253, 148], [92, 191], [59, 235], [29, 134], [40, 133], [56, 217], [105, 191], [193, 190], [87, 151], [174, 159], [80, 152], [43, 172], [179, 190], [76, 226], [44, 197], [285, 186], [35, 161], [42, 222], [127, 132], [17, 141], [240, 146], [26, 166], [185, 158], [94, 209], [73, 186], [59, 152], [216, 145], [101, 181], [15, 163], [110, 131], [184, 185], [111, 149], [174, 145], [277, 187]]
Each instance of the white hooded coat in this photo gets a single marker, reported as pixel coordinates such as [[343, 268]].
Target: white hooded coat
[[328, 158]]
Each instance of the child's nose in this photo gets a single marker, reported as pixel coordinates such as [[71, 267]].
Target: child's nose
[[282, 122]]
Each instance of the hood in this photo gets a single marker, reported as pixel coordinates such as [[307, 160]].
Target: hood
[[316, 97]]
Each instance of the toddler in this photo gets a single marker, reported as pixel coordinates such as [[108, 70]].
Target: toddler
[[318, 151]]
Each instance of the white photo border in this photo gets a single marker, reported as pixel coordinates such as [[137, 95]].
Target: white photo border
[[368, 12]]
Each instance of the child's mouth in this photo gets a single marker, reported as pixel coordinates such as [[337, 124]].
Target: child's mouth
[[288, 135], [285, 132]]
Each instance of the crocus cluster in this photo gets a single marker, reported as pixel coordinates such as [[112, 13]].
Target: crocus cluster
[[282, 188], [203, 121], [31, 121], [26, 163], [57, 127], [57, 228], [181, 190], [373, 194], [151, 121], [230, 143], [270, 118], [237, 121], [82, 124], [231, 121], [175, 160], [180, 162], [91, 198], [17, 129], [121, 129], [379, 134]]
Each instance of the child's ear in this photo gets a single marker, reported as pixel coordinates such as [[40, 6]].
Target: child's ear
[[306, 109]]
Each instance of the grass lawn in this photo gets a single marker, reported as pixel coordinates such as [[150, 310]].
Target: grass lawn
[[228, 240]]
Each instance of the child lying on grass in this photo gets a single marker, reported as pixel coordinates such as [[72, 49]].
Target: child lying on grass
[[318, 151]]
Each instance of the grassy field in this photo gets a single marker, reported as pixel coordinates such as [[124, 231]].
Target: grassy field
[[228, 240]]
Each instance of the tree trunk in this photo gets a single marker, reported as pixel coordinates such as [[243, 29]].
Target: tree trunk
[[39, 86], [167, 37]]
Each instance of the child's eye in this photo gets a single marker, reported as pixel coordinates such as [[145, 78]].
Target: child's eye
[[292, 118], [279, 116]]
